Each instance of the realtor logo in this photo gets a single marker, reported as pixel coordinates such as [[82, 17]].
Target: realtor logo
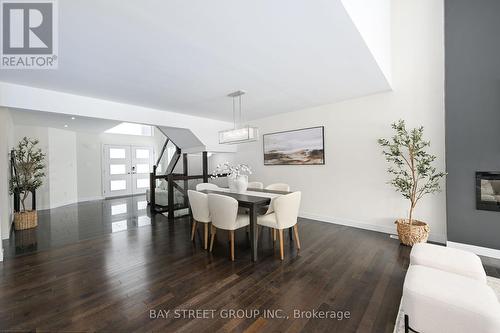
[[29, 34]]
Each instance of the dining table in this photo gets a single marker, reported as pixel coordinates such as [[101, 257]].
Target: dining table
[[255, 200]]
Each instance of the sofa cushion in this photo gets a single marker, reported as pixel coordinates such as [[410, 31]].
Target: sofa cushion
[[439, 301], [448, 259]]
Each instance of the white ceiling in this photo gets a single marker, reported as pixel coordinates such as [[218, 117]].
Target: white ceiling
[[186, 55], [58, 120]]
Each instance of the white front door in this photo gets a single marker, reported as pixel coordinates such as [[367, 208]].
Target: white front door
[[126, 169], [142, 161]]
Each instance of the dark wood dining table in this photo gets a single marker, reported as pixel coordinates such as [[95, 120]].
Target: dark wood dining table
[[254, 204]]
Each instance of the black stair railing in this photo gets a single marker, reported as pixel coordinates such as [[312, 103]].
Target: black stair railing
[[172, 179]]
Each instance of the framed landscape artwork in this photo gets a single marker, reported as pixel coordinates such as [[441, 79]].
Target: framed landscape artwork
[[298, 147]]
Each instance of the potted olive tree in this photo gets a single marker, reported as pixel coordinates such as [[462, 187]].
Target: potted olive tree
[[414, 176], [27, 176]]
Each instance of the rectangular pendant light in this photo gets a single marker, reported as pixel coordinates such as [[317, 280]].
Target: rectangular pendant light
[[239, 135]]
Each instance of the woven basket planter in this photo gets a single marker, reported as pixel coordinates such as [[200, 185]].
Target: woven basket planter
[[25, 220], [417, 232]]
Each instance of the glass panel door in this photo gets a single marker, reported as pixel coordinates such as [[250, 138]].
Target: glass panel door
[[116, 171], [126, 169], [142, 161]]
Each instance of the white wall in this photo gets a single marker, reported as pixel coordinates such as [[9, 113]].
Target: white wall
[[62, 164], [60, 184], [6, 144], [73, 162], [89, 157], [351, 188]]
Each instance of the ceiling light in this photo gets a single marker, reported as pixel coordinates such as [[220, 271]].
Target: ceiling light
[[72, 118], [239, 133], [65, 125]]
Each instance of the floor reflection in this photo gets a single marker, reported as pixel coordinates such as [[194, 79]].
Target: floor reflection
[[69, 224]]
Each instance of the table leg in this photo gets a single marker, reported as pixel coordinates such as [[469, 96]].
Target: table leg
[[253, 231], [290, 232]]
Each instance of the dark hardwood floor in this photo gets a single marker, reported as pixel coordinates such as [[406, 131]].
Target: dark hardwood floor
[[76, 222], [112, 281]]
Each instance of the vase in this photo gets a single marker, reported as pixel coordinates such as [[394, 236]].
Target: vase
[[417, 232], [25, 220], [238, 184]]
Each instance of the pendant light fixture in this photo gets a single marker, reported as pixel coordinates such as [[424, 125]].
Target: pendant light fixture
[[239, 133]]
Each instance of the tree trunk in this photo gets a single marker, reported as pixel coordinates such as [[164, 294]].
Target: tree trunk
[[413, 198], [410, 219], [23, 199]]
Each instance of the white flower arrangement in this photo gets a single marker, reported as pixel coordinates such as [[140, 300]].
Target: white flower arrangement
[[233, 171]]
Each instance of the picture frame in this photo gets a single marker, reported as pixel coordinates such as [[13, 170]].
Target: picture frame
[[304, 146]]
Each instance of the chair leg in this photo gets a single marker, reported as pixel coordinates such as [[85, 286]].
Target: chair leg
[[193, 230], [205, 238], [213, 231], [231, 235], [274, 235], [281, 243], [297, 240]]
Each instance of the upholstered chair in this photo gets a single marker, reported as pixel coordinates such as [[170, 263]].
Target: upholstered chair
[[275, 187], [278, 187], [286, 212], [199, 208], [206, 186], [224, 214], [256, 185]]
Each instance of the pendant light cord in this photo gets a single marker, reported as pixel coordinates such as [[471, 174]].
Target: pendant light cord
[[241, 121], [234, 115]]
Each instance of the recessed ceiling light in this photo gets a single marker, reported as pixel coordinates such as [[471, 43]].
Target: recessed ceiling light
[[72, 118], [65, 125]]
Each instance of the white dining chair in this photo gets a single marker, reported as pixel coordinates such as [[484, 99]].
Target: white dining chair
[[257, 185], [199, 208], [278, 187], [206, 186], [275, 187], [286, 211], [224, 214]]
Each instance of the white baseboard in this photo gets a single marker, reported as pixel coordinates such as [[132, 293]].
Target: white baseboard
[[91, 199], [391, 230], [62, 204], [479, 250], [1, 254]]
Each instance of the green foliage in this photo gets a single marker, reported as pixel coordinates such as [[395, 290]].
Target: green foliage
[[29, 166], [414, 176]]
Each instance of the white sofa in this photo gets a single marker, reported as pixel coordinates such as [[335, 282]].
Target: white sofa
[[445, 290], [448, 259], [439, 301]]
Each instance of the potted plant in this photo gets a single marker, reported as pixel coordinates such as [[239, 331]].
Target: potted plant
[[237, 175], [28, 167], [414, 176]]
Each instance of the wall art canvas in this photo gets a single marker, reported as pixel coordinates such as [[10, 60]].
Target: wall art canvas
[[297, 147]]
